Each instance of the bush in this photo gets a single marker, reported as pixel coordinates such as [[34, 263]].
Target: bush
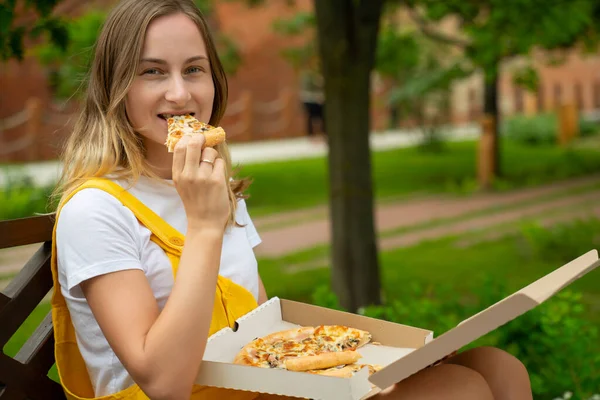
[[560, 349], [588, 127], [20, 198], [562, 242], [537, 130]]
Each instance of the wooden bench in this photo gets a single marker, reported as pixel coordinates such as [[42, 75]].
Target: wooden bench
[[26, 375]]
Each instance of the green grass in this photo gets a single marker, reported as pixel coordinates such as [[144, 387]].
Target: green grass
[[289, 185], [399, 173], [443, 269], [440, 263]]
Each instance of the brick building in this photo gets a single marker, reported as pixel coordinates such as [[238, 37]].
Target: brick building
[[263, 101]]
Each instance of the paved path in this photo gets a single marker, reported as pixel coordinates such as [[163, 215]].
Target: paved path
[[301, 235], [410, 222]]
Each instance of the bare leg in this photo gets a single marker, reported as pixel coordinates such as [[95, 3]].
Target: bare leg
[[506, 375], [445, 381]]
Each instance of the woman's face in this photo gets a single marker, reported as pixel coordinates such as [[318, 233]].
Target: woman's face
[[174, 77]]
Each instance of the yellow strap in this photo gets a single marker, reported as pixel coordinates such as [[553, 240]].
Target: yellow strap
[[170, 236]]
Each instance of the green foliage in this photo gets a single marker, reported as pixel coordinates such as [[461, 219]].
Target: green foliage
[[557, 344], [303, 54], [12, 36], [19, 198], [421, 81], [498, 29], [68, 68], [527, 77], [560, 348], [397, 54], [588, 127], [229, 53], [560, 243], [541, 129]]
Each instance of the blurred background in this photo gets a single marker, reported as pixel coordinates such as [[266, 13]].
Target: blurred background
[[484, 137]]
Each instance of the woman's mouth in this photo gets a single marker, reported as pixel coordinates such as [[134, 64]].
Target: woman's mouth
[[167, 116]]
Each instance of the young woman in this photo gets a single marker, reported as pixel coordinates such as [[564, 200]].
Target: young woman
[[154, 250]]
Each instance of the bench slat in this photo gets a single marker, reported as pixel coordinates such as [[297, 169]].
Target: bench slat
[[22, 231], [8, 394], [27, 383], [4, 299], [26, 291], [38, 351]]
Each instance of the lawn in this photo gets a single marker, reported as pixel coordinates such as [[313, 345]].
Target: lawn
[[280, 186], [442, 268], [436, 284], [296, 184]]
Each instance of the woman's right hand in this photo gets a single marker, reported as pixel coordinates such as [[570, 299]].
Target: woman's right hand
[[200, 178]]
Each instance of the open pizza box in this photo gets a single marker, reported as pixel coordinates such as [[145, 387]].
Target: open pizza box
[[402, 350]]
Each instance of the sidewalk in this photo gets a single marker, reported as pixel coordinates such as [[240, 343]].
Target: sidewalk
[[45, 173], [475, 212], [410, 222]]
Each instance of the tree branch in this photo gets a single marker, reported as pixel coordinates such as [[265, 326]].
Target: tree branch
[[435, 34]]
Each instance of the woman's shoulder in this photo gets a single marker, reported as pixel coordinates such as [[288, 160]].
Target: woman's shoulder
[[92, 207]]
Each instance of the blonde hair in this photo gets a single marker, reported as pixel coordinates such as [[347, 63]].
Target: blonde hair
[[103, 142]]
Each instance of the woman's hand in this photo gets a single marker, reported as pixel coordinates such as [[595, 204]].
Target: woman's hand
[[199, 176]]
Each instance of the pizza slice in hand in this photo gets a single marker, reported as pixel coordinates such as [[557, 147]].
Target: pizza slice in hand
[[180, 125]]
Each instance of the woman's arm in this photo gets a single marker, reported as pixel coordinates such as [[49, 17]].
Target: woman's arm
[[262, 293], [162, 351]]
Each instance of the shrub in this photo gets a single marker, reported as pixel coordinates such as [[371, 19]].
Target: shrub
[[560, 349], [588, 127], [562, 242], [21, 198], [535, 131]]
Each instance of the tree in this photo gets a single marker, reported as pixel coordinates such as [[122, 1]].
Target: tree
[[14, 31], [345, 33], [492, 31], [347, 36], [421, 75]]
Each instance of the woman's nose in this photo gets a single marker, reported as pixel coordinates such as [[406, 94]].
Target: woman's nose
[[177, 91]]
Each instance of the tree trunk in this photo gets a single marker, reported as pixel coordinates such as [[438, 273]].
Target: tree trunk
[[490, 107], [347, 32]]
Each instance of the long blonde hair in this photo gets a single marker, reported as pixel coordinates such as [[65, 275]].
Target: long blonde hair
[[103, 141]]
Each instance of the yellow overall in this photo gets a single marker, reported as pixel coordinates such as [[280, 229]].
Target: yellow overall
[[231, 302]]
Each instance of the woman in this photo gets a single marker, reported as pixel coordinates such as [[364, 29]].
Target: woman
[[154, 250]]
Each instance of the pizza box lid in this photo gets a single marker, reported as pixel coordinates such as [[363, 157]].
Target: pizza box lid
[[277, 314], [487, 320]]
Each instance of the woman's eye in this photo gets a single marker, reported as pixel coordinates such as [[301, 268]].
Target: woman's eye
[[193, 70], [151, 71]]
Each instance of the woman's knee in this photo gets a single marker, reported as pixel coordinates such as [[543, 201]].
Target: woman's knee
[[505, 374], [493, 357], [447, 381], [464, 383]]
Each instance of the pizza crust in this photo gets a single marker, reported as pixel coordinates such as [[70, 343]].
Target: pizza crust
[[322, 361], [181, 125]]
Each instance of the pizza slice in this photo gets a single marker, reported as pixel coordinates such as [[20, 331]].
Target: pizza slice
[[346, 371], [180, 125], [305, 349]]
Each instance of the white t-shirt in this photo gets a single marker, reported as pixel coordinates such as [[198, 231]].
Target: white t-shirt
[[96, 235]]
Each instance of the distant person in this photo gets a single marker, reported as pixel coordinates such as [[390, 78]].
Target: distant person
[[154, 251], [313, 99]]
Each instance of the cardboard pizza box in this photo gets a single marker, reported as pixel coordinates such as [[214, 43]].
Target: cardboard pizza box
[[279, 314], [404, 350]]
